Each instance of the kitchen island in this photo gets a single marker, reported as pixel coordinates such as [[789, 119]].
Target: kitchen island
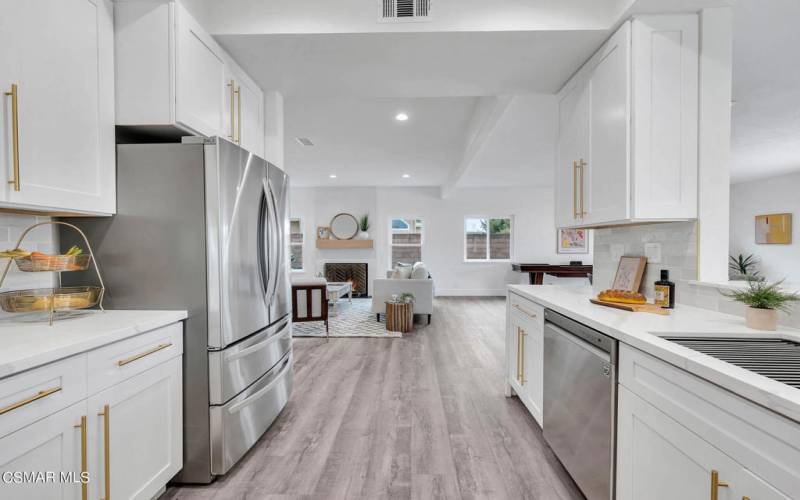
[[679, 413]]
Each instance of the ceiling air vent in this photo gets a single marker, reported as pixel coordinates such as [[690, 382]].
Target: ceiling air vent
[[405, 10], [305, 141]]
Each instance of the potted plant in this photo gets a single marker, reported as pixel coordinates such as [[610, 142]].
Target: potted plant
[[743, 268], [763, 302], [406, 298], [363, 226]]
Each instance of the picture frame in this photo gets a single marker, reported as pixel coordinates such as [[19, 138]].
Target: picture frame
[[774, 229], [629, 273], [323, 233], [572, 241]]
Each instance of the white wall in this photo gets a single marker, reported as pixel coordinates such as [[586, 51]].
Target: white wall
[[534, 237], [767, 196]]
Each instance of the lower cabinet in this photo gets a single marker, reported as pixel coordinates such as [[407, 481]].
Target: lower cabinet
[[525, 354], [679, 436], [54, 445], [135, 434]]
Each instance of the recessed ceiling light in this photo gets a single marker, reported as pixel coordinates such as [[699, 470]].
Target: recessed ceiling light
[[332, 176], [304, 141], [401, 117], [406, 176]]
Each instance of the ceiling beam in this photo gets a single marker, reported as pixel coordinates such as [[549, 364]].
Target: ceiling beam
[[487, 114]]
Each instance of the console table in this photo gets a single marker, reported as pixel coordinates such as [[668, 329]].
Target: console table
[[536, 272]]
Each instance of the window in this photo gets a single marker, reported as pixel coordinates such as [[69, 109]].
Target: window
[[296, 243], [406, 240], [487, 238]]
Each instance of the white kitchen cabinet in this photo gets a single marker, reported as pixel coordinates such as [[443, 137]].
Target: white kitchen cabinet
[[59, 57], [244, 113], [174, 79], [627, 147], [136, 434], [52, 444], [525, 353], [671, 424]]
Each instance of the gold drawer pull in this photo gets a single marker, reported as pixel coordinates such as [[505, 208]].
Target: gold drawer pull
[[37, 396], [106, 414], [133, 358], [84, 467], [13, 93], [530, 314]]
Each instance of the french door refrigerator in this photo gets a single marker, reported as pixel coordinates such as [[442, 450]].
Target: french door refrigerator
[[201, 225]]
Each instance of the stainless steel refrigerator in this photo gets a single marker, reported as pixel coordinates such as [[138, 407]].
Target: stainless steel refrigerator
[[203, 226]]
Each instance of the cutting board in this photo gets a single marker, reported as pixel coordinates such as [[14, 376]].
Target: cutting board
[[649, 308]]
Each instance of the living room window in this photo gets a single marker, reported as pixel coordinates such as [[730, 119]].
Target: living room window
[[296, 243], [487, 239], [406, 240]]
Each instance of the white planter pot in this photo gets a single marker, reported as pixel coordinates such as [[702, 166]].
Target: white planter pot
[[761, 319], [363, 235]]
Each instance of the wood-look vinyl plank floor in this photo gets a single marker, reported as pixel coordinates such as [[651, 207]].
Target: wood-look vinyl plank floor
[[418, 417]]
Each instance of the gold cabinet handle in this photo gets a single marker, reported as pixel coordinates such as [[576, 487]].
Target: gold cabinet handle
[[716, 484], [239, 115], [523, 311], [29, 400], [148, 352], [106, 414], [14, 134], [522, 378], [574, 189], [518, 358], [84, 468], [232, 86], [582, 166]]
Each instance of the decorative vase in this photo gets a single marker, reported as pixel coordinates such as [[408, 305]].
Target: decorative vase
[[363, 235], [761, 319]]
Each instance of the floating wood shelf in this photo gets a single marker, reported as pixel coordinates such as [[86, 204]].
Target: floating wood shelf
[[344, 243]]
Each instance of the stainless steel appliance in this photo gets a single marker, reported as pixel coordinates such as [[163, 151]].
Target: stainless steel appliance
[[580, 387], [202, 226]]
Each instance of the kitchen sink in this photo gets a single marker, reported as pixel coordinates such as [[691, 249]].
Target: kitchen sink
[[777, 359]]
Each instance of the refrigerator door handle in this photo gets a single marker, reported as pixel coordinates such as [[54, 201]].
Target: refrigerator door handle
[[263, 234], [276, 238]]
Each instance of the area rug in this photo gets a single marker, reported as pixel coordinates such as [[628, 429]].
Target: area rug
[[353, 319]]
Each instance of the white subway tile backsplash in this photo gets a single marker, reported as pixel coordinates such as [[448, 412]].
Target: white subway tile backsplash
[[41, 239]]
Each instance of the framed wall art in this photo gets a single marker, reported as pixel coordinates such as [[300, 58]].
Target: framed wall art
[[573, 241], [774, 229]]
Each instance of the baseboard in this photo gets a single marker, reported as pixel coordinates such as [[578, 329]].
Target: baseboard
[[470, 292]]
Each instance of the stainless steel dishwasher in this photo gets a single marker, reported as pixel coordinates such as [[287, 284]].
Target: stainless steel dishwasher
[[580, 389]]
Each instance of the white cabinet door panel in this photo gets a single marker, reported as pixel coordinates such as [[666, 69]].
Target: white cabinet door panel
[[251, 128], [665, 97], [61, 58], [200, 78], [606, 175], [51, 444], [145, 433]]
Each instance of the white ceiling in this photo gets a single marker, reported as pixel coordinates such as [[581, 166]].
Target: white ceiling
[[413, 64], [766, 89], [360, 141]]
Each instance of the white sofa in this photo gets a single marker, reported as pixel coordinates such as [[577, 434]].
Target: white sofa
[[383, 289]]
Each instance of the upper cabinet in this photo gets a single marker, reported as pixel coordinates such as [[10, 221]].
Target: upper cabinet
[[173, 77], [627, 147], [57, 126]]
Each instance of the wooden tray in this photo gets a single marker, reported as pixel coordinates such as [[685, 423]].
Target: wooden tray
[[649, 308]]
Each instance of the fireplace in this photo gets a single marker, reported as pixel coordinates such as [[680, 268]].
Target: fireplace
[[355, 272]]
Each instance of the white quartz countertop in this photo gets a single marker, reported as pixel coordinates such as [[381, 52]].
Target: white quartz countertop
[[27, 344], [643, 331]]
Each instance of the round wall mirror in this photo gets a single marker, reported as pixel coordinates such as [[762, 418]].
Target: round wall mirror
[[344, 227]]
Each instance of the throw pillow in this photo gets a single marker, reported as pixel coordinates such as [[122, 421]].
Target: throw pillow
[[401, 272], [419, 271]]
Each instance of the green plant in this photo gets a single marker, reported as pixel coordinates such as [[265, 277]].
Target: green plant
[[745, 266], [762, 295], [406, 297], [363, 222]]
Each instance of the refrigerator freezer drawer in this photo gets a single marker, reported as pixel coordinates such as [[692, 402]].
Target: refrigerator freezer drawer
[[235, 368], [236, 426]]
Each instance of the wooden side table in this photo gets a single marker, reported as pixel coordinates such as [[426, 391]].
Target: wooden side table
[[399, 317]]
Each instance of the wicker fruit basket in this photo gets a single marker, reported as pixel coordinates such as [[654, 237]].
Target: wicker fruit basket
[[53, 263], [50, 299]]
